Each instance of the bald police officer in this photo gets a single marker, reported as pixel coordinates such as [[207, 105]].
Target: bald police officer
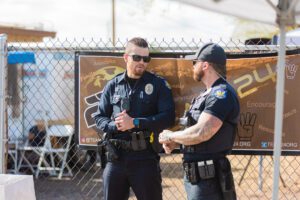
[[211, 128], [134, 107]]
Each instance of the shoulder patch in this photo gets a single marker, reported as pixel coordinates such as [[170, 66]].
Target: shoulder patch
[[220, 93]]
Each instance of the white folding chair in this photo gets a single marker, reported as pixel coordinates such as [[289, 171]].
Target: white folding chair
[[27, 148], [13, 152], [58, 131]]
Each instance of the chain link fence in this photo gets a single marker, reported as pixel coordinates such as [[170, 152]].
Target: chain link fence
[[43, 90]]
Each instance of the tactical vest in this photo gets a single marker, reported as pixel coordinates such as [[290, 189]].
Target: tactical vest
[[217, 146]]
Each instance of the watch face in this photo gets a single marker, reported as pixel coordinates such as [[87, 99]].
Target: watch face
[[136, 122]]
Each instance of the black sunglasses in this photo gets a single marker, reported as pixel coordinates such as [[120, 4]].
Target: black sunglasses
[[138, 58]]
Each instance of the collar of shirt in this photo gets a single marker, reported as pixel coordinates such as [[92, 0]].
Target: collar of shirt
[[218, 81], [145, 77]]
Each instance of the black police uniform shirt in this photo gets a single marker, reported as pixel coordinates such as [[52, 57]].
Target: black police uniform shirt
[[151, 101], [222, 102]]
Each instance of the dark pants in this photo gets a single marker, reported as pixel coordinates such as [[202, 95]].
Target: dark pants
[[142, 176], [204, 190]]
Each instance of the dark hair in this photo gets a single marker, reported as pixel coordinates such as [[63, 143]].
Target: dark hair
[[140, 42]]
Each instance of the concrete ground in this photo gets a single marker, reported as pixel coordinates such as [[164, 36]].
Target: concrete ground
[[87, 185], [83, 186]]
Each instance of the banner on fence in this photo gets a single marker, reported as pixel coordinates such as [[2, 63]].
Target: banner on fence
[[253, 78]]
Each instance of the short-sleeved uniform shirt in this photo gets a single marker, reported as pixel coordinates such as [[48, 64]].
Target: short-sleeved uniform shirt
[[222, 102]]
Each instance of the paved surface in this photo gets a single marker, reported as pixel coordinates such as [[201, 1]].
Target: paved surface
[[82, 186], [87, 185]]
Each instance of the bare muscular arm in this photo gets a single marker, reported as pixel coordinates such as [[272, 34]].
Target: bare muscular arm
[[206, 127]]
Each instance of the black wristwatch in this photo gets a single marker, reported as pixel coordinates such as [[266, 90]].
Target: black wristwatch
[[136, 122]]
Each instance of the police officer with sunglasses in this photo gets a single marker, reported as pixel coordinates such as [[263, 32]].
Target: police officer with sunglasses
[[211, 124], [134, 107]]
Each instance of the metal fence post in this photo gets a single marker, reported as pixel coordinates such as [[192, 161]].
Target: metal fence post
[[3, 60]]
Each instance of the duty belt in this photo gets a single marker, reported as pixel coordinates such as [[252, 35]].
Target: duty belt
[[202, 153], [137, 143]]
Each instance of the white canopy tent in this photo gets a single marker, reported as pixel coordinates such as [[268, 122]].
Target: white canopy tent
[[264, 11], [292, 37], [281, 12]]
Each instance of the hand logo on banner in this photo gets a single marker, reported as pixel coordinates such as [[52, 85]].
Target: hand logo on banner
[[290, 71], [247, 121]]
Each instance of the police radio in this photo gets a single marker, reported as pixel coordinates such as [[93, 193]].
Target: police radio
[[183, 121], [125, 104]]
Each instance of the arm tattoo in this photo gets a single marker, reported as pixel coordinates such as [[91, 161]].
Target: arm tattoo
[[206, 127], [206, 132]]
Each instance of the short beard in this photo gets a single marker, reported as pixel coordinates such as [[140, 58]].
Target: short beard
[[137, 72], [198, 77]]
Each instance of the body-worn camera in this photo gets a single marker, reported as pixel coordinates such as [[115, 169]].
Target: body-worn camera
[[186, 119], [125, 104]]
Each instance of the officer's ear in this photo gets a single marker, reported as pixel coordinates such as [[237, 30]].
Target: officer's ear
[[204, 65], [125, 56]]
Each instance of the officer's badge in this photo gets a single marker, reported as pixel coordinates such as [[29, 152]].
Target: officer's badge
[[167, 84], [220, 93], [149, 88]]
